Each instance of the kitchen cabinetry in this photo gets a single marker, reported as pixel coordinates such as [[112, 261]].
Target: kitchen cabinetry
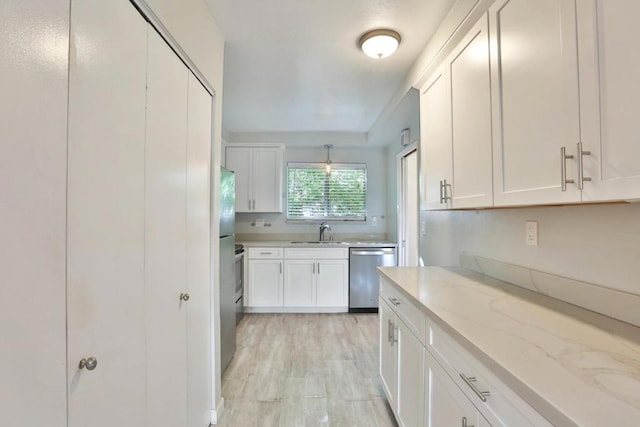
[[316, 278], [456, 122], [609, 98], [535, 78], [259, 177], [402, 360], [265, 277], [422, 369]]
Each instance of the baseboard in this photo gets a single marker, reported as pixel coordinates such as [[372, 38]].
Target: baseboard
[[216, 413], [296, 309]]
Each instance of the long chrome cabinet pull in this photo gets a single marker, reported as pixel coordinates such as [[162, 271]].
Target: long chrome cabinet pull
[[464, 422], [280, 268], [249, 204], [441, 192], [563, 168], [318, 268], [581, 178], [471, 383], [389, 329]]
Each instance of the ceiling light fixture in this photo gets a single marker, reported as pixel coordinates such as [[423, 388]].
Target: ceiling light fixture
[[328, 163], [379, 43]]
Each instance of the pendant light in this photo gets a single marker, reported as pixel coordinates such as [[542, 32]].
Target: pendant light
[[379, 43], [328, 163]]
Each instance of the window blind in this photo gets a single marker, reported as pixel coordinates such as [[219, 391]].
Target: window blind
[[314, 194]]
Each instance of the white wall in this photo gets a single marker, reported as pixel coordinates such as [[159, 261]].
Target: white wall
[[599, 244], [374, 157], [33, 166]]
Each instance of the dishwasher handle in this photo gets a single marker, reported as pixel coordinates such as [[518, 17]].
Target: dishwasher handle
[[381, 251]]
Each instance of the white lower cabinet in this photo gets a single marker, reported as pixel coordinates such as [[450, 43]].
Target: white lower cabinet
[[265, 277], [401, 366], [422, 370]]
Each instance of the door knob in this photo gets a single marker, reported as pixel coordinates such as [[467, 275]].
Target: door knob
[[184, 297], [89, 363]]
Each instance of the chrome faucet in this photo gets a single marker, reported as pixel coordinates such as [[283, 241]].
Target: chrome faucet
[[323, 227]]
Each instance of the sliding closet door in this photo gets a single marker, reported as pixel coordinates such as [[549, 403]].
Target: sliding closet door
[[165, 237], [105, 288], [199, 335]]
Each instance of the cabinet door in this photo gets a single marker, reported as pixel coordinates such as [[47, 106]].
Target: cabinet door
[[198, 254], [471, 120], [239, 160], [332, 283], [165, 234], [411, 389], [610, 98], [447, 405], [388, 353], [106, 214], [435, 141], [299, 283], [265, 283], [267, 180], [535, 79]]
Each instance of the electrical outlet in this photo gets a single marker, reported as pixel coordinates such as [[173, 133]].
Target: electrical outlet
[[531, 233]]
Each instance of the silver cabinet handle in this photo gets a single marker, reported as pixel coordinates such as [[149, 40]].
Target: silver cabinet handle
[[89, 363], [394, 301], [265, 253], [441, 192], [389, 328], [464, 422], [280, 268], [471, 383], [254, 204], [314, 268], [318, 268], [563, 168], [184, 297], [581, 178], [249, 204]]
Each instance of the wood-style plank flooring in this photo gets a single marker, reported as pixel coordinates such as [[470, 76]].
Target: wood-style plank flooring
[[305, 370]]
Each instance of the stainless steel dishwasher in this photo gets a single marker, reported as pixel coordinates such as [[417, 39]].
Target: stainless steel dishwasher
[[364, 285]]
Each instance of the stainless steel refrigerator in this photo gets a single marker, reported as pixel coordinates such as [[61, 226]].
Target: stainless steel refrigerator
[[227, 267]]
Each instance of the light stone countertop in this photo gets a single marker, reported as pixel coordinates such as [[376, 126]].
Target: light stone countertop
[[572, 365], [327, 244]]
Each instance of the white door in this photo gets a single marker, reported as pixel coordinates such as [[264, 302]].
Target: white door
[[535, 85], [165, 235], [332, 279], [105, 246], [265, 283], [240, 160], [471, 120], [435, 141], [408, 215], [411, 388], [299, 283], [199, 332], [610, 98], [33, 216], [267, 172], [388, 353]]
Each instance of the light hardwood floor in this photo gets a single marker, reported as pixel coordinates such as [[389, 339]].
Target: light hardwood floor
[[305, 370]]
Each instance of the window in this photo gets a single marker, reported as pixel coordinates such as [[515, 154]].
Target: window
[[314, 194]]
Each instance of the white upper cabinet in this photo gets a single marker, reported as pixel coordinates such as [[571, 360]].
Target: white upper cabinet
[[610, 98], [455, 114], [471, 120], [535, 78], [435, 141], [258, 177]]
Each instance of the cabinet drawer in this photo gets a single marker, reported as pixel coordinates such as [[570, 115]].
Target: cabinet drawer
[[265, 253], [314, 253], [414, 318], [502, 406]]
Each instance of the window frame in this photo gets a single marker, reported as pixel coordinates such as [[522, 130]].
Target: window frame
[[322, 166]]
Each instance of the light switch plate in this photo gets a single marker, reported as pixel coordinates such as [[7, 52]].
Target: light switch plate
[[531, 233]]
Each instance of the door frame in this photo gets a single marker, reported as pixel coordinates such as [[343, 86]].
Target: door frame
[[400, 200]]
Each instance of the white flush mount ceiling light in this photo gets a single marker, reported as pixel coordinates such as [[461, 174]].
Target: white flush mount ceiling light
[[379, 43]]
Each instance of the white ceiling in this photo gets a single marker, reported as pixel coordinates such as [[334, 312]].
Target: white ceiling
[[292, 67]]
